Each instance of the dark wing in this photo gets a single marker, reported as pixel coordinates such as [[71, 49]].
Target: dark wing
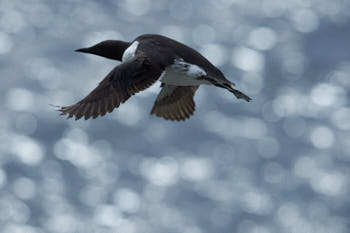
[[175, 102], [118, 86]]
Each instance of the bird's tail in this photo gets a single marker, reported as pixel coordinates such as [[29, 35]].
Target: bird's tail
[[227, 86], [239, 94]]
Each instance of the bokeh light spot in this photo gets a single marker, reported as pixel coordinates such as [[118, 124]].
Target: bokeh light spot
[[197, 169], [288, 214], [163, 172], [215, 53], [256, 203], [331, 184], [322, 137], [129, 114], [19, 99], [340, 118], [12, 21], [28, 150], [24, 188], [305, 20], [263, 38], [248, 59], [127, 200], [108, 215], [326, 95]]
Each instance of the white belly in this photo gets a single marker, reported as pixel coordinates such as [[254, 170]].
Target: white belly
[[180, 79], [183, 74]]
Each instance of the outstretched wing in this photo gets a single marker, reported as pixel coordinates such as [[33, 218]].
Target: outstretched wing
[[175, 102], [118, 86]]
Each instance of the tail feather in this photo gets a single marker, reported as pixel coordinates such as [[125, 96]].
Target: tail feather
[[239, 94], [227, 86]]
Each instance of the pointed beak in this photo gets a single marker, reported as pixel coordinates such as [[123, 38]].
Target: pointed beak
[[83, 50]]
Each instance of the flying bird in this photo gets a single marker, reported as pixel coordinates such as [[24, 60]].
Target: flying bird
[[180, 69]]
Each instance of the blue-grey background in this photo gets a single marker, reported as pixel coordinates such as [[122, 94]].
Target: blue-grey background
[[278, 164]]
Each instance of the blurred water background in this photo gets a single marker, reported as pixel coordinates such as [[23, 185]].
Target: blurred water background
[[278, 164]]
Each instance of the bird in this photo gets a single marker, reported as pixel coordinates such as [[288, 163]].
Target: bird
[[146, 59]]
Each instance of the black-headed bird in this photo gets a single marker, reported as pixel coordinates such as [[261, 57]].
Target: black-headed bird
[[180, 69]]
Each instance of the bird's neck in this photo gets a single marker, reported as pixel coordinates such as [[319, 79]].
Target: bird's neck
[[116, 51]]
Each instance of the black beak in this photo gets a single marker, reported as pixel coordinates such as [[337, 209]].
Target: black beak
[[83, 50]]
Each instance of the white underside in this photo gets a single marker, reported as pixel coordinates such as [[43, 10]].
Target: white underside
[[179, 79], [183, 74], [180, 73]]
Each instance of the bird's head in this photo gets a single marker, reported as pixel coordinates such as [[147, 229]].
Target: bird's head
[[112, 49]]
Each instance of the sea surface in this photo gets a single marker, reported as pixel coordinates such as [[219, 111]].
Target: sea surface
[[279, 164]]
